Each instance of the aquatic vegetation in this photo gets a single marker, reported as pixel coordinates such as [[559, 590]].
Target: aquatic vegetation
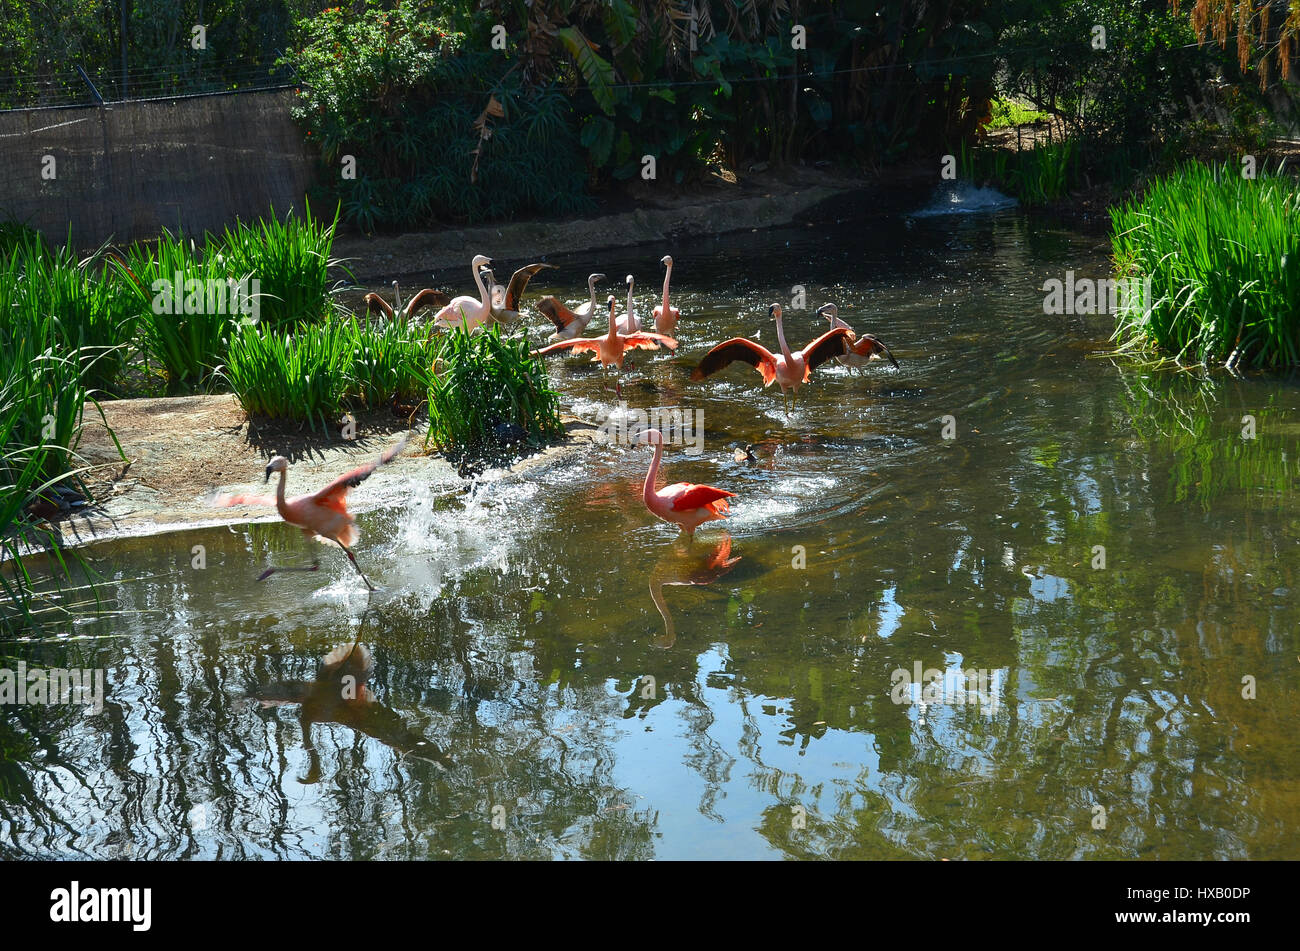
[[391, 363], [483, 387], [85, 314], [1223, 256], [182, 343]]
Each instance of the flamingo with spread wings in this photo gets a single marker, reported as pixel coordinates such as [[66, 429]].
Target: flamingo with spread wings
[[610, 348], [323, 514], [789, 369], [861, 349]]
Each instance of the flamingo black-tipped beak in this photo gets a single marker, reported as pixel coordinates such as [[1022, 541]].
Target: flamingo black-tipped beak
[[268, 475], [597, 278], [771, 311]]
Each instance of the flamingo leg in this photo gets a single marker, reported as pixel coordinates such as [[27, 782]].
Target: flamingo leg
[[353, 558]]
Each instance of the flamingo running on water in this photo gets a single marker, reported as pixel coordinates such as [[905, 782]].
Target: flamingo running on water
[[610, 348], [376, 306], [467, 311], [861, 350], [665, 315], [323, 514], [570, 323], [790, 369], [628, 322], [682, 503]]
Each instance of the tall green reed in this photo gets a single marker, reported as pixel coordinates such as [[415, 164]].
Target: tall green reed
[[1223, 256]]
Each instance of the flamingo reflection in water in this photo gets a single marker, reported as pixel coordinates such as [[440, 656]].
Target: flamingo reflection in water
[[339, 695], [682, 566]]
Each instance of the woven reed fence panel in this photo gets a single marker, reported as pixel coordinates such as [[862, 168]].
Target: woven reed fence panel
[[126, 170]]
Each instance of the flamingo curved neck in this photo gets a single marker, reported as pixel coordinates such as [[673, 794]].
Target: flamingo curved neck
[[280, 505], [397, 297], [648, 492], [591, 290], [667, 275], [483, 293], [780, 336]]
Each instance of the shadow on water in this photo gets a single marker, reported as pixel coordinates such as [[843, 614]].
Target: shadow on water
[[1104, 543]]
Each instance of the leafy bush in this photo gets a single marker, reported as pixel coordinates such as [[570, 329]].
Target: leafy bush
[[1223, 255], [438, 130], [485, 385]]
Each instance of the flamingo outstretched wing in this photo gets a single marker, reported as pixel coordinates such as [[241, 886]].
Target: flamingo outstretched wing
[[518, 281], [701, 497], [647, 340], [578, 344], [333, 495], [737, 348], [427, 298], [869, 345], [556, 313], [833, 343]]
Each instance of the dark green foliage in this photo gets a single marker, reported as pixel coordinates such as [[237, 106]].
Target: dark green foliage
[[439, 129]]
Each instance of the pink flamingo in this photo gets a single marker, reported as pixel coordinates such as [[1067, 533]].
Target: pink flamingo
[[570, 323], [861, 350], [665, 315], [682, 503], [610, 348], [789, 369], [323, 514], [629, 323]]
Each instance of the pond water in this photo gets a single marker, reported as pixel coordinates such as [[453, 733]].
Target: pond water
[[555, 675]]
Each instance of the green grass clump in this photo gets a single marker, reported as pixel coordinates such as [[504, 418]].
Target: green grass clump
[[1223, 256], [1036, 176], [304, 376], [185, 348], [312, 375], [289, 257], [483, 381], [87, 314]]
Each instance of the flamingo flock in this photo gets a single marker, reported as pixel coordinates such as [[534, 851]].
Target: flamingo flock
[[323, 515]]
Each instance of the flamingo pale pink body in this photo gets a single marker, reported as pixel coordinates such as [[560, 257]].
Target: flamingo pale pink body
[[665, 315], [628, 323], [467, 311], [682, 503], [322, 514]]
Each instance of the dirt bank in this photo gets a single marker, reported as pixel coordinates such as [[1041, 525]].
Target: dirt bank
[[182, 451]]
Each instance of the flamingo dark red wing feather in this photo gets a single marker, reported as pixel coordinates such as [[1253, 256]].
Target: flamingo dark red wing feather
[[834, 343], [556, 312], [737, 348], [518, 281], [702, 496]]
